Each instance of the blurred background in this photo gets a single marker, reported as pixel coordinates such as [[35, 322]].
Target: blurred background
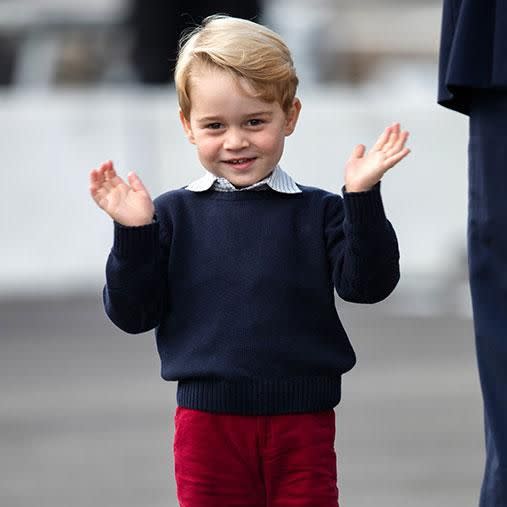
[[85, 418]]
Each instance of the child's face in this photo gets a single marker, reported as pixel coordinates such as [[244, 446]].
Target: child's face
[[238, 137]]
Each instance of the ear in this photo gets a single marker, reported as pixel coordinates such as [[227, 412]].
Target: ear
[[292, 116], [185, 122]]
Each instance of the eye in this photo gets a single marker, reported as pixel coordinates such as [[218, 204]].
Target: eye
[[214, 126], [255, 122]]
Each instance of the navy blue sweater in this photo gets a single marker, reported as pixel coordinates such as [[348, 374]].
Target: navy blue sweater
[[240, 289]]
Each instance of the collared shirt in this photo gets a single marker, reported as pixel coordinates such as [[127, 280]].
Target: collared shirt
[[278, 180]]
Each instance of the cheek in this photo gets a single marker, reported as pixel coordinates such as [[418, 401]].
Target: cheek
[[273, 143], [208, 147]]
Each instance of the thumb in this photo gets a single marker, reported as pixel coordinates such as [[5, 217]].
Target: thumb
[[358, 151], [135, 182]]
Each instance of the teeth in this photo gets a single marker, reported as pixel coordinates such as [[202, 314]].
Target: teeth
[[240, 161]]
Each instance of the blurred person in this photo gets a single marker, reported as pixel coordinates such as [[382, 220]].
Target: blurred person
[[7, 60], [237, 270], [473, 81], [158, 24]]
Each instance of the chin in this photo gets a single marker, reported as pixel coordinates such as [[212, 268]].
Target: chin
[[244, 182]]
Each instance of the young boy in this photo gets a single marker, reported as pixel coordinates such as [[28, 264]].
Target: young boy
[[237, 272]]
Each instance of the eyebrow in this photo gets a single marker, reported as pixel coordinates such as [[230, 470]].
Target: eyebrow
[[250, 115]]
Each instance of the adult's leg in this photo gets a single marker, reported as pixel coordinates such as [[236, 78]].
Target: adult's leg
[[487, 248], [299, 460]]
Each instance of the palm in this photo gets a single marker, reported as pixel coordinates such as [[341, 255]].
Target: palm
[[363, 171], [130, 205], [123, 202]]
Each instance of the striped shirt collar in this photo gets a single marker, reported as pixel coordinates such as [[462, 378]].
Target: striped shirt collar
[[278, 180]]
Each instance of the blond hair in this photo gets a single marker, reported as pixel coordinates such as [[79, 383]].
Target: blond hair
[[244, 49]]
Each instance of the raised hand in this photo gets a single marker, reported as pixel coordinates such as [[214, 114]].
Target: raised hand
[[362, 171], [129, 205]]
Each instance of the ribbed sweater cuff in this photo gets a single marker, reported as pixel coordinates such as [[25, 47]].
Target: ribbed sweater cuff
[[136, 240], [363, 208]]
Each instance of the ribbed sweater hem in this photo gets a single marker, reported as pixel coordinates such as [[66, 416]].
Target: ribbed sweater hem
[[261, 396]]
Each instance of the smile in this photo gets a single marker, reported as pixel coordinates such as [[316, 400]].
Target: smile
[[240, 164], [238, 161]]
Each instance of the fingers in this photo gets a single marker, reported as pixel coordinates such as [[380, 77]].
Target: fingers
[[104, 177], [394, 149], [97, 189], [98, 176], [391, 140], [381, 141], [135, 182], [394, 132], [394, 159], [394, 146], [95, 182], [111, 179], [397, 144]]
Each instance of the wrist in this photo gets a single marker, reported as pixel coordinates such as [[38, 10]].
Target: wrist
[[357, 188], [139, 222]]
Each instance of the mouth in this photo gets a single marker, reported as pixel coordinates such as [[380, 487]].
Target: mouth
[[240, 163]]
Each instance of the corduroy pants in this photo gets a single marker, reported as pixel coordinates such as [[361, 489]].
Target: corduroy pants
[[229, 460]]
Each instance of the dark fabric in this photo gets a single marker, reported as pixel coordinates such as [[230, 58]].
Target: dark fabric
[[473, 81], [487, 244], [473, 50], [157, 25], [240, 288], [223, 460], [8, 50]]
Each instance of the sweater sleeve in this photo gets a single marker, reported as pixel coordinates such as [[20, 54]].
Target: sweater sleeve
[[135, 294], [362, 247]]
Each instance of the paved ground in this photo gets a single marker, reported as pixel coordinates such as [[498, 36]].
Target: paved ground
[[85, 419]]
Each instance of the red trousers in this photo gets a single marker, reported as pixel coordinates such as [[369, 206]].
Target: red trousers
[[228, 460]]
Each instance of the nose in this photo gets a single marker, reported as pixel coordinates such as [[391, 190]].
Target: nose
[[235, 139]]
